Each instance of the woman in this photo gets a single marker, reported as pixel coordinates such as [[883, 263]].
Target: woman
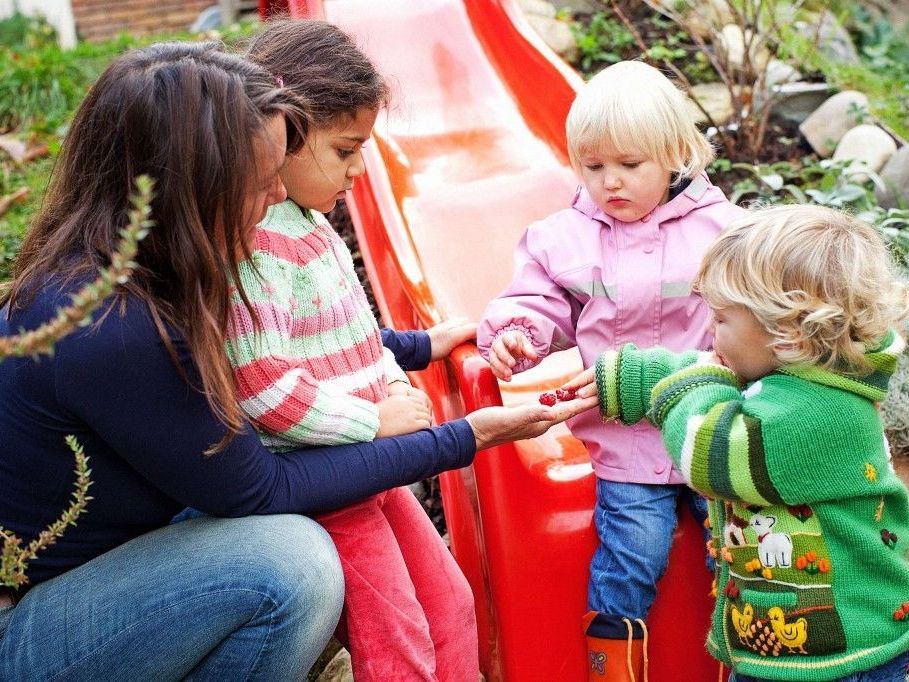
[[147, 391]]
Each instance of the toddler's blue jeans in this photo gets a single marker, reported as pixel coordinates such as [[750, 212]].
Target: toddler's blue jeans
[[254, 598], [893, 670], [635, 523]]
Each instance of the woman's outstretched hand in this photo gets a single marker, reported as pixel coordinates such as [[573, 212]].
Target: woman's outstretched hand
[[496, 425]]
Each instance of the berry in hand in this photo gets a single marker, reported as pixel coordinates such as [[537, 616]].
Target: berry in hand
[[548, 399], [565, 394]]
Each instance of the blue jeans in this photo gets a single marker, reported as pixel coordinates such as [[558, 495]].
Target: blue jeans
[[209, 599], [893, 670], [635, 523]]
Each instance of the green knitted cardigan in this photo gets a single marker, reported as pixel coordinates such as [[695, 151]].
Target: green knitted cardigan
[[810, 523]]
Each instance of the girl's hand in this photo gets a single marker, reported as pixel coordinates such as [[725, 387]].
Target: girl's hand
[[496, 425], [404, 413], [445, 336], [506, 351], [398, 387], [584, 384]]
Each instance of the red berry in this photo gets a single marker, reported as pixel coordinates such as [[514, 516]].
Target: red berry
[[565, 394], [548, 399], [899, 614]]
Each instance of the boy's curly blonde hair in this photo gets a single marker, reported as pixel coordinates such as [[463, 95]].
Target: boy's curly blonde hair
[[820, 281]]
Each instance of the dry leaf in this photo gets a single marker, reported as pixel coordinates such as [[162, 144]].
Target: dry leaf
[[16, 197]]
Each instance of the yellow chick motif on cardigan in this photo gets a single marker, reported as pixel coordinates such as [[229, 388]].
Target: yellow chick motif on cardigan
[[792, 635], [742, 620]]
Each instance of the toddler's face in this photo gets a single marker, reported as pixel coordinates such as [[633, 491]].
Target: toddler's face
[[742, 343], [325, 167], [626, 185]]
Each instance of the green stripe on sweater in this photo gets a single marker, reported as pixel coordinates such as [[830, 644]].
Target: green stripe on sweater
[[720, 480], [739, 464], [700, 459], [757, 461]]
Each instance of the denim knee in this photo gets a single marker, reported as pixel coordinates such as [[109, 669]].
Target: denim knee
[[294, 560]]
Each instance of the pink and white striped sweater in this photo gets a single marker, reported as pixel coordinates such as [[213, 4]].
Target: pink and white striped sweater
[[313, 370]]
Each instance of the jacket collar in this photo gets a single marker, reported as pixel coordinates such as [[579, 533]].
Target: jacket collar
[[700, 192], [872, 386]]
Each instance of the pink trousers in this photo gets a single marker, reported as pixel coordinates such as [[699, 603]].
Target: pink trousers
[[408, 609]]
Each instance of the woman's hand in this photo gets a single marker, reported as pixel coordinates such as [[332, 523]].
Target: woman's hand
[[445, 336], [507, 350], [496, 425], [404, 412]]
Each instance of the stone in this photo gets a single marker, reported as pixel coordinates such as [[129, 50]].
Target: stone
[[824, 128], [715, 98], [895, 12], [797, 101], [779, 72], [895, 175], [557, 35], [867, 147], [832, 39], [540, 8], [578, 6], [731, 43], [338, 669]]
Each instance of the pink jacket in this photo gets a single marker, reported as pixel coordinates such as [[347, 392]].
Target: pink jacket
[[582, 278]]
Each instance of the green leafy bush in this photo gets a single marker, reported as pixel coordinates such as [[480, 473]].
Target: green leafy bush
[[826, 183]]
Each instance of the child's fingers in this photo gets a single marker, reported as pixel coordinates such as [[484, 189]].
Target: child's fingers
[[499, 368], [587, 391], [527, 348], [585, 378], [499, 371], [504, 355]]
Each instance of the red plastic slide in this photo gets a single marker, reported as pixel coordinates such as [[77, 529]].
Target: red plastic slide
[[471, 151]]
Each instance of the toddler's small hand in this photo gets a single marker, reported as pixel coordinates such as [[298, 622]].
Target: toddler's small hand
[[447, 335], [506, 351], [584, 384]]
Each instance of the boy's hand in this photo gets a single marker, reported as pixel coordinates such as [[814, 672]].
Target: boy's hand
[[584, 384], [445, 336], [506, 351], [404, 413]]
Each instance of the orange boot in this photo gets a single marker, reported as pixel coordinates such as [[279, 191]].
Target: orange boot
[[616, 648]]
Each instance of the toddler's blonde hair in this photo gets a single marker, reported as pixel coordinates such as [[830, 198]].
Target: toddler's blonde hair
[[634, 107], [820, 281]]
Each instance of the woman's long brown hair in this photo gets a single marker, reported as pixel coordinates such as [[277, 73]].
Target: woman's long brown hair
[[187, 115]]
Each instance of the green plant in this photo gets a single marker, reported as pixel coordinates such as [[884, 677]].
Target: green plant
[[835, 184], [882, 73], [605, 39], [26, 32], [14, 557], [601, 42], [762, 27]]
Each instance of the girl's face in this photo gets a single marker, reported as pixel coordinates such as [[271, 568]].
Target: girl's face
[[626, 185], [741, 342], [325, 167]]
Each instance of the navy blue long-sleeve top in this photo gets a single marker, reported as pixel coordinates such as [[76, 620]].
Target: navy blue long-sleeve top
[[114, 386]]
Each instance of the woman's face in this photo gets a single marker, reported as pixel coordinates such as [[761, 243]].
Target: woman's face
[[266, 188]]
